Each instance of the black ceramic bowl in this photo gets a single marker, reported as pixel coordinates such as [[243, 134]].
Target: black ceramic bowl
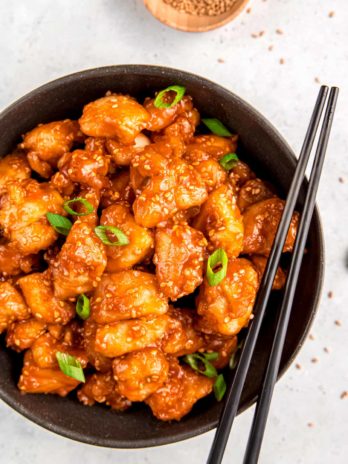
[[267, 153]]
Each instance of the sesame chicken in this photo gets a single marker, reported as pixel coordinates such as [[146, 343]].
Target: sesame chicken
[[131, 253], [126, 295], [179, 256], [141, 373]]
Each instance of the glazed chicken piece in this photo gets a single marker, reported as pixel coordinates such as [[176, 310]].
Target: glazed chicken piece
[[240, 174], [23, 209], [119, 190], [38, 293], [181, 337], [85, 167], [118, 117], [102, 388], [126, 295], [35, 379], [212, 174], [141, 373], [260, 226], [13, 167], [141, 242], [12, 306], [12, 262], [179, 260], [45, 347], [21, 335], [224, 346], [123, 337], [80, 263], [183, 127], [206, 147], [260, 263], [160, 118], [221, 222], [100, 362], [122, 155], [226, 308], [253, 191], [182, 390], [165, 188], [48, 142]]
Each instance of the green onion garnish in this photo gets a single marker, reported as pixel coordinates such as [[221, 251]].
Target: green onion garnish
[[178, 89], [60, 224], [229, 161], [101, 232], [70, 366], [219, 387], [235, 356], [219, 257], [88, 207], [83, 307], [196, 360], [216, 127]]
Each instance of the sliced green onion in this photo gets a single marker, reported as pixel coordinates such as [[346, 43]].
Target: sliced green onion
[[211, 356], [229, 161], [70, 366], [83, 307], [194, 361], [178, 89], [88, 207], [60, 224], [216, 127], [235, 356], [219, 387], [101, 232], [218, 257]]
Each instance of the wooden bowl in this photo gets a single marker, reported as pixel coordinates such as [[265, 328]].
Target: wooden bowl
[[189, 22]]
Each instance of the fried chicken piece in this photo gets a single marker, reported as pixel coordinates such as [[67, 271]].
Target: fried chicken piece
[[224, 346], [100, 362], [141, 373], [260, 226], [253, 191], [21, 335], [102, 388], [119, 190], [12, 262], [13, 167], [260, 263], [23, 209], [206, 147], [181, 391], [226, 308], [35, 379], [85, 167], [123, 337], [221, 222], [48, 142], [179, 256], [118, 117], [126, 295], [240, 174], [80, 263], [122, 155], [163, 187], [181, 337], [12, 306], [160, 118], [141, 242], [44, 305]]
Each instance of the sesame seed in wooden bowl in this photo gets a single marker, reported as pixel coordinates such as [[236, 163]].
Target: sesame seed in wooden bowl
[[195, 15]]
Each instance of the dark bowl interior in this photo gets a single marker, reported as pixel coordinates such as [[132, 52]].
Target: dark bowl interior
[[263, 149]]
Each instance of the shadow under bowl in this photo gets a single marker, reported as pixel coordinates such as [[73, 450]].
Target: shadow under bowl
[[262, 147]]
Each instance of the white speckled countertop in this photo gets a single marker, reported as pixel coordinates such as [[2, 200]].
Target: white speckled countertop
[[42, 40]]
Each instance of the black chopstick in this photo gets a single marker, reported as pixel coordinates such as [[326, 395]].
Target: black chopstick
[[264, 401], [236, 387]]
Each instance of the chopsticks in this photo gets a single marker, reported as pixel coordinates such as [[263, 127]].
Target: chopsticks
[[235, 389]]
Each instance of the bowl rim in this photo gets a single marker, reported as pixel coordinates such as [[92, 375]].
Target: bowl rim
[[275, 135]]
